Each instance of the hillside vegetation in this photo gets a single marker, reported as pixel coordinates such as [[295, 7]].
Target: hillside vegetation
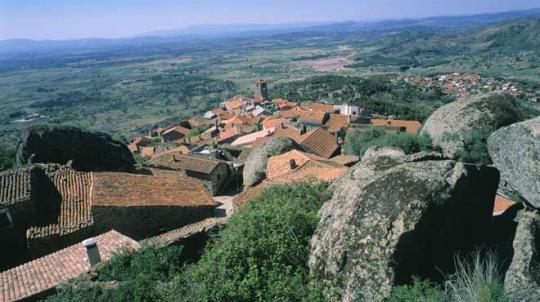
[[260, 256], [125, 90], [378, 94]]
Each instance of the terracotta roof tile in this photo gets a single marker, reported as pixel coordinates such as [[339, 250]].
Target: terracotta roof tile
[[317, 117], [15, 186], [178, 161], [124, 189], [178, 129], [320, 142], [250, 194], [249, 139], [147, 151], [178, 150], [318, 107], [273, 122], [411, 126], [284, 104], [346, 160], [281, 164], [229, 134], [32, 278], [336, 122], [501, 204], [185, 231], [312, 170], [237, 102], [74, 214]]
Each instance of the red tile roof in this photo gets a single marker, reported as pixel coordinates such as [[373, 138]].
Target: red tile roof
[[320, 142], [284, 104], [249, 139], [147, 151], [74, 213], [124, 189], [410, 126], [229, 133], [501, 204], [281, 164], [178, 150], [15, 186], [178, 129], [312, 171], [177, 161], [273, 122], [237, 102], [336, 122], [346, 160], [185, 231], [318, 107], [40, 275]]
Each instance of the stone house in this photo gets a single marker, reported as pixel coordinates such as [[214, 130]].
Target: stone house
[[49, 207], [141, 206], [215, 174], [175, 134]]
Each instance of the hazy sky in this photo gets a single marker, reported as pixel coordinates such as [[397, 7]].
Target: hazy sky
[[68, 19]]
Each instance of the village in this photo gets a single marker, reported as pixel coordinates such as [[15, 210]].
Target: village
[[467, 84], [190, 177]]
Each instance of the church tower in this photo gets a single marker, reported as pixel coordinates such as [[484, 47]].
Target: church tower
[[261, 84]]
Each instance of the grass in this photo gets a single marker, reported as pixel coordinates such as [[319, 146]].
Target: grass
[[476, 279]]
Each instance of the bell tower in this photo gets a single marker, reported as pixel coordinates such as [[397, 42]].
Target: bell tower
[[261, 84]]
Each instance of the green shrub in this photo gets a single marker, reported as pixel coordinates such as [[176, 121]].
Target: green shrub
[[419, 291], [357, 142], [137, 276], [474, 145], [157, 263], [196, 131], [476, 279], [7, 158], [262, 253]]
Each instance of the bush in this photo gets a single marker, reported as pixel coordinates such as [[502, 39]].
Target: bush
[[475, 147], [476, 279], [137, 276], [357, 142], [262, 254], [7, 158], [419, 291]]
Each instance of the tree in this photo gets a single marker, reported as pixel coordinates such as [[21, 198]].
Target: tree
[[262, 254]]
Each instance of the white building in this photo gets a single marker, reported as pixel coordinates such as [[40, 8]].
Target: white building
[[346, 109]]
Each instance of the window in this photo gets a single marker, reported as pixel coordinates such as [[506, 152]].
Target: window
[[5, 219]]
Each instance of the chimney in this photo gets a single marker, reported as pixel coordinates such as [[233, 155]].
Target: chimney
[[92, 251], [292, 163]]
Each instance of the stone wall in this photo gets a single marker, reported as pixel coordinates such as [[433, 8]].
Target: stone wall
[[215, 181], [55, 240], [143, 222]]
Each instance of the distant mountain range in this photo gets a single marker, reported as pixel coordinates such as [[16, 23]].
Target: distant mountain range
[[443, 23]]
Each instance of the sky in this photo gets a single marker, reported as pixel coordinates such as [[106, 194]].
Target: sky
[[75, 19]]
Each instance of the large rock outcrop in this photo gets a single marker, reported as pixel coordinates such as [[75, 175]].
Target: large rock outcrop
[[87, 151], [448, 124], [255, 165], [522, 281], [515, 151], [387, 151], [392, 218]]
